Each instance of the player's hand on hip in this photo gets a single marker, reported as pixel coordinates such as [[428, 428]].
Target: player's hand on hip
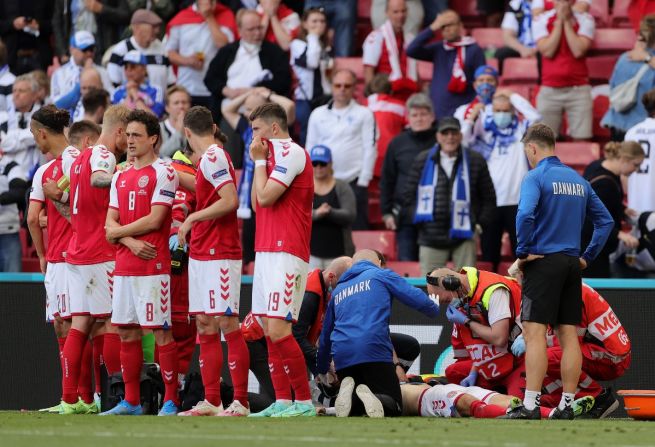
[[518, 346], [470, 379], [529, 258]]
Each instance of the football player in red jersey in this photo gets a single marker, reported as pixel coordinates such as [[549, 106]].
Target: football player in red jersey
[[89, 258], [215, 268], [282, 195], [139, 219]]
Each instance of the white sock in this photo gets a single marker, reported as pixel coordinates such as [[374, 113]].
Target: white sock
[[307, 402], [284, 401], [566, 401], [531, 399]]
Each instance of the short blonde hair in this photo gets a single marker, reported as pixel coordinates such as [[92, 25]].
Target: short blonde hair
[[115, 116]]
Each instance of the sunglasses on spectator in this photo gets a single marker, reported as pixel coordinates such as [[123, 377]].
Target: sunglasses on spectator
[[319, 163], [345, 86]]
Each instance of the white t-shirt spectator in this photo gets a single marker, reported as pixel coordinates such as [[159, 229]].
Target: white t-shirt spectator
[[641, 184]]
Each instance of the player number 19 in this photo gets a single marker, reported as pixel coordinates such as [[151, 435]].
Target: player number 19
[[273, 301]]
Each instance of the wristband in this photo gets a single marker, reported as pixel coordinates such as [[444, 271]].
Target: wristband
[[64, 197], [260, 163], [63, 183]]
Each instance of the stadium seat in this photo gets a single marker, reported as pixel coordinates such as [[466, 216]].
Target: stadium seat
[[382, 241], [578, 154], [491, 38], [364, 10], [600, 10], [601, 68], [30, 265], [525, 90], [620, 17], [405, 268], [600, 96], [352, 63], [612, 41], [484, 265], [503, 268], [468, 12], [519, 71]]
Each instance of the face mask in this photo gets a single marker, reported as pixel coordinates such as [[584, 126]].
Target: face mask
[[503, 119], [485, 92]]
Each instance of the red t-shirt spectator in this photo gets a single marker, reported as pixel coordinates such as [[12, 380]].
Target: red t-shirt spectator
[[288, 18]]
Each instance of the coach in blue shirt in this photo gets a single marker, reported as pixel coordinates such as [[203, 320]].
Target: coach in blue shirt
[[552, 208], [356, 336]]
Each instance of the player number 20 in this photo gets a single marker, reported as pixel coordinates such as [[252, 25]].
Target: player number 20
[[273, 301]]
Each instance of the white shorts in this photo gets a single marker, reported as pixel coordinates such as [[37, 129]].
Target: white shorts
[[278, 285], [142, 301], [214, 287], [90, 288], [57, 299], [441, 400]]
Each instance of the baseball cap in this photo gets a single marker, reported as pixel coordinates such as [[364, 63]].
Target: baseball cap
[[321, 153], [145, 16], [82, 40], [448, 123], [134, 57], [485, 70]]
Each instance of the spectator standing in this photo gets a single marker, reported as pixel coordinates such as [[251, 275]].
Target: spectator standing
[[398, 160], [451, 193], [342, 17], [334, 212], [7, 79], [195, 35], [517, 33], [625, 69], [249, 62], [641, 185], [455, 59], [13, 187], [144, 39], [389, 112], [178, 103], [621, 159], [553, 197], [496, 134], [348, 129], [66, 78], [310, 61], [279, 22], [385, 49], [414, 20], [17, 141], [355, 335], [25, 28], [563, 38], [137, 92], [485, 83], [103, 18]]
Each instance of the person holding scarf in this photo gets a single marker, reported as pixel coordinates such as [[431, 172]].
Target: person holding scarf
[[496, 134], [454, 58], [453, 196]]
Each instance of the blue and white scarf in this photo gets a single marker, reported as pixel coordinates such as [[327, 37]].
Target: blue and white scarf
[[525, 25], [500, 137], [245, 184], [460, 210]]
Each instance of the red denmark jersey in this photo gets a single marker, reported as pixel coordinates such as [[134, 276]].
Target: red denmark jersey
[[217, 238], [133, 193], [59, 230], [88, 206], [599, 321], [286, 226]]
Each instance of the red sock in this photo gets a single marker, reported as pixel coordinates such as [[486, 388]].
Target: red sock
[[71, 360], [131, 364], [168, 363], [111, 353], [485, 411], [278, 376], [238, 359], [98, 345], [61, 341], [185, 337], [295, 367], [84, 381], [211, 363]]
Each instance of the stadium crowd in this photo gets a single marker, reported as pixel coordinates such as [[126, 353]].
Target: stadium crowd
[[119, 145]]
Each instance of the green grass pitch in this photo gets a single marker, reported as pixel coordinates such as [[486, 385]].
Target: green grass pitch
[[33, 429]]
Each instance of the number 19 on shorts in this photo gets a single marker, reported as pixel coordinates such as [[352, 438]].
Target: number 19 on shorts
[[273, 301]]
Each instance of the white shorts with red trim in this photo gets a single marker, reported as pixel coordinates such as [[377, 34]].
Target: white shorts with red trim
[[90, 289], [278, 285], [441, 400], [142, 301], [57, 299], [214, 287]]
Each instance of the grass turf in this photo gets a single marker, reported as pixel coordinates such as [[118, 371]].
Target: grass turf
[[33, 429]]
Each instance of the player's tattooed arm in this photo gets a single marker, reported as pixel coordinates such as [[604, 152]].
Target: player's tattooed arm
[[64, 209], [101, 179]]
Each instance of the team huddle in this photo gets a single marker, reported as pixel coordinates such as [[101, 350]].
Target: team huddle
[[109, 282]]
